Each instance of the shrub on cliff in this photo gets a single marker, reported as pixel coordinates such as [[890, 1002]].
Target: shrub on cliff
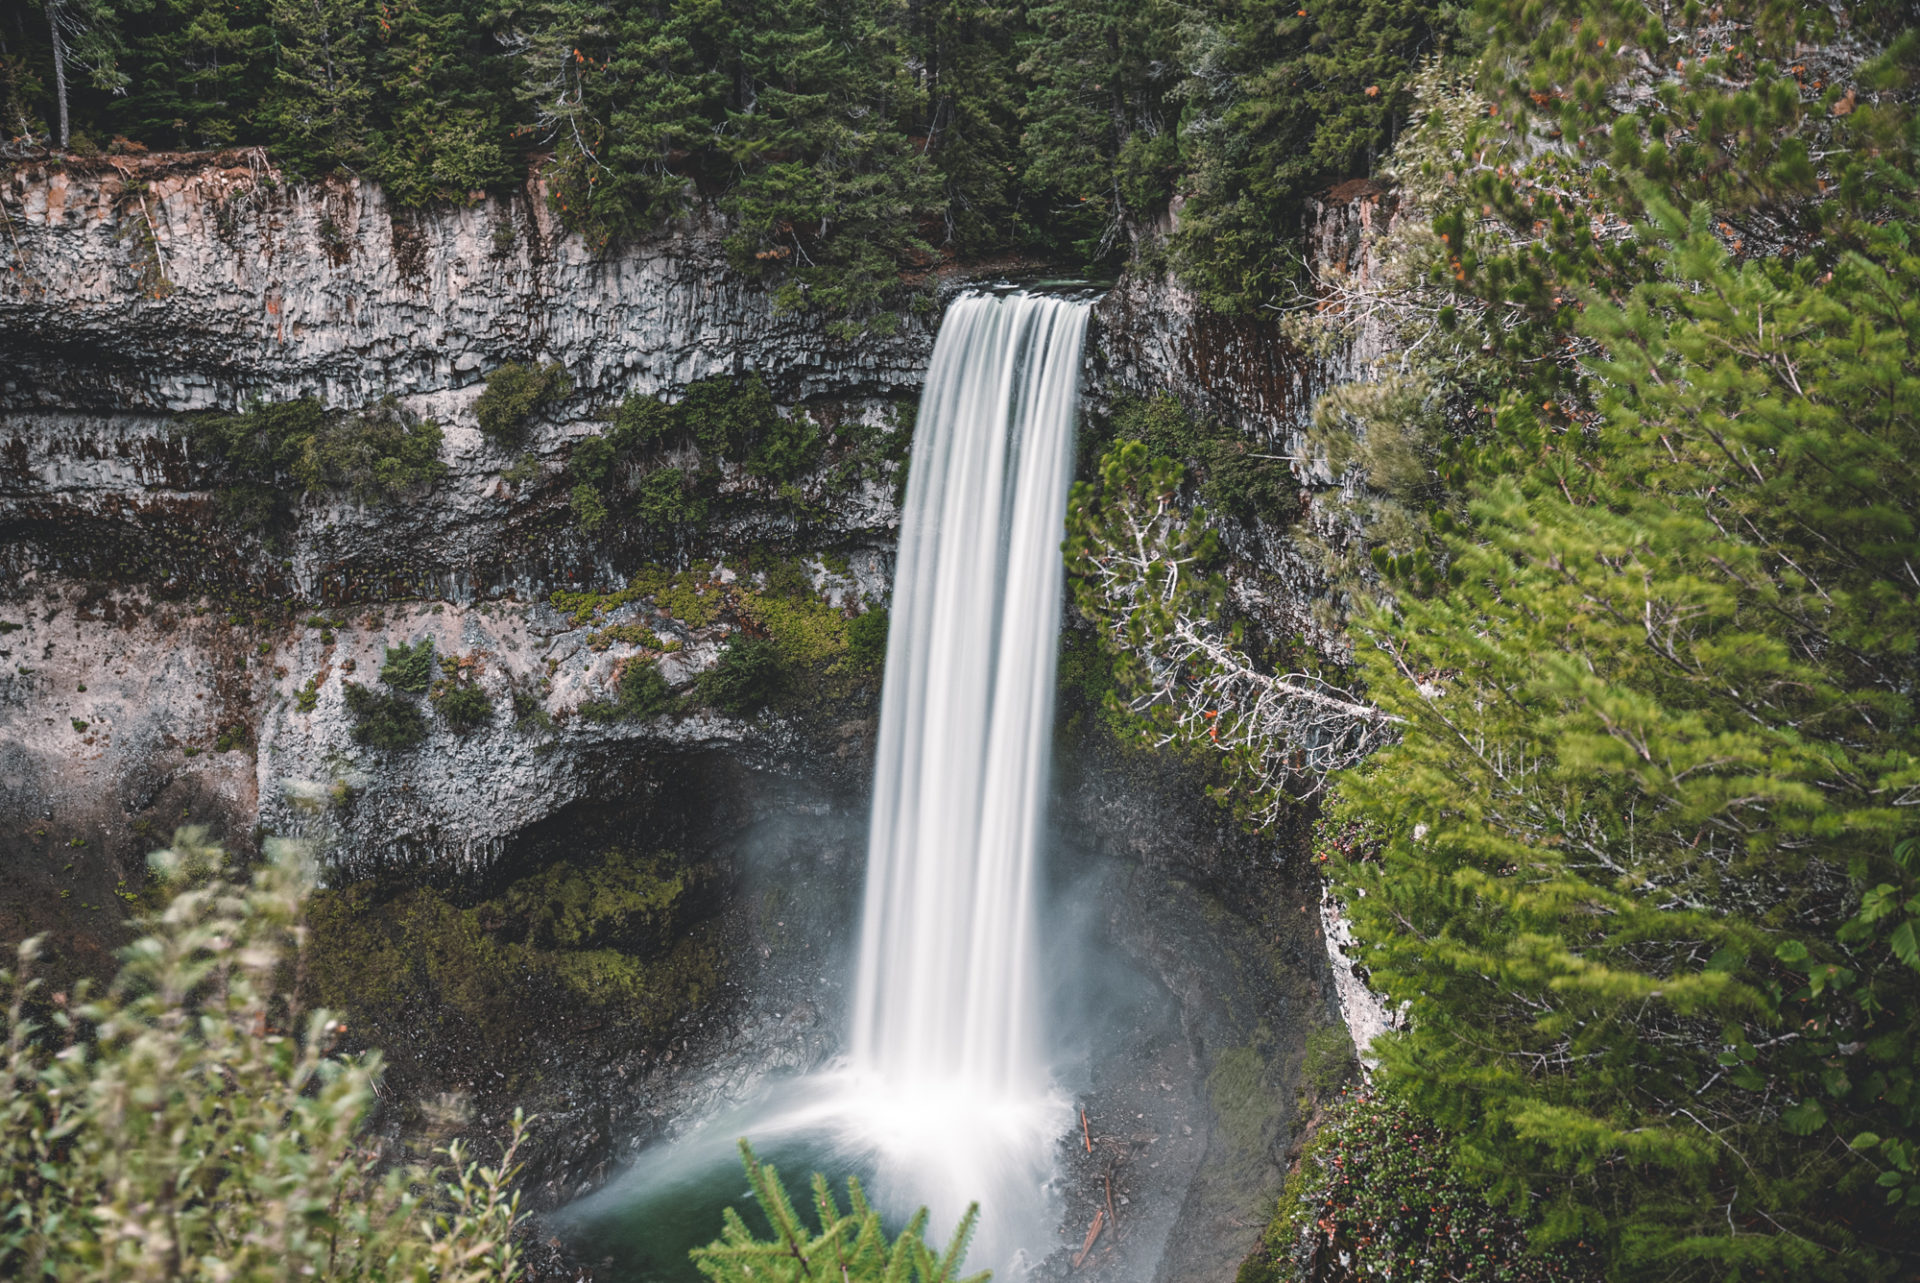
[[384, 720], [513, 393], [195, 1122], [464, 706], [642, 693], [377, 454], [670, 497], [409, 668], [750, 675]]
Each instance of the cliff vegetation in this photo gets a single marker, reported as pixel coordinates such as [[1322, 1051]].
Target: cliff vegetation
[[1623, 762]]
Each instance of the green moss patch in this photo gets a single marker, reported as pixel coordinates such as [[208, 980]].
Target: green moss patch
[[613, 934], [788, 640]]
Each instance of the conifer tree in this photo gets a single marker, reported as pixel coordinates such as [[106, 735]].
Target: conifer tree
[[1281, 100], [444, 103], [318, 108], [1097, 141], [197, 71], [1650, 881], [962, 56], [850, 1246], [84, 36]]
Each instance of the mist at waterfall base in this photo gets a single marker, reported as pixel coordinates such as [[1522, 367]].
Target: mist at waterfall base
[[948, 1092]]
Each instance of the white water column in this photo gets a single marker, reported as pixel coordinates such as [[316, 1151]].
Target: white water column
[[945, 1018]]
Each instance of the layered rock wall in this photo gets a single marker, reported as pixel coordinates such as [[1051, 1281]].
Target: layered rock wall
[[185, 283], [139, 289]]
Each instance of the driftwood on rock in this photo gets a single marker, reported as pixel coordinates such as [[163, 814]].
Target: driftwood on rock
[[1291, 729]]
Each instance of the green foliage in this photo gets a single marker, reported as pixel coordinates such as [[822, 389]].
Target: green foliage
[[443, 132], [384, 720], [730, 417], [850, 147], [619, 901], [750, 674], [1329, 1063], [511, 396], [1380, 1189], [1134, 499], [1650, 926], [867, 640], [641, 693], [670, 497], [464, 706], [610, 929], [591, 463], [193, 69], [851, 1245], [589, 510], [723, 418], [1230, 473], [1635, 864], [793, 639], [1098, 151], [409, 668], [195, 1121], [322, 83], [379, 454], [1281, 103]]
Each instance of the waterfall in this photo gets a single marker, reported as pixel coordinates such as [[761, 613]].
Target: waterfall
[[945, 990], [946, 1029], [945, 1097]]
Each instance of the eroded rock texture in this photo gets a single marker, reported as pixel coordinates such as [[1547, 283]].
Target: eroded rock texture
[[158, 666]]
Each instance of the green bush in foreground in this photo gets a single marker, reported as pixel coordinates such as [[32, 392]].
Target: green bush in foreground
[[850, 1246], [193, 1123]]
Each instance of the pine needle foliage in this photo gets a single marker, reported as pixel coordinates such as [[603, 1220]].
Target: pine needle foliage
[[1649, 889], [194, 1123], [849, 1246]]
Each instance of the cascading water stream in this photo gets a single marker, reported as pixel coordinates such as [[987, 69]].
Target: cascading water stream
[[945, 1097], [946, 1031]]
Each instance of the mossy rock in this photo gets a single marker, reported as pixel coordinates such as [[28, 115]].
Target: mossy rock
[[612, 933]]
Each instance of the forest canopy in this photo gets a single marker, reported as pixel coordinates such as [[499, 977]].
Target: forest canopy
[[844, 140]]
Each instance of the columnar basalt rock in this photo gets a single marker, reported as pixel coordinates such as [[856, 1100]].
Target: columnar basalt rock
[[176, 283], [142, 288]]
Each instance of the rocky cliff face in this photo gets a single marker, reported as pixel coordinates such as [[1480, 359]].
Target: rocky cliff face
[[183, 283], [139, 290], [156, 668], [143, 288]]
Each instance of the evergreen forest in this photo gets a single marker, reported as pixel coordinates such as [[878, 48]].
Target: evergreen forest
[[844, 142]]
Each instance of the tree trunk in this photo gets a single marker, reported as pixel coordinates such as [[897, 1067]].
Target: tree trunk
[[59, 66]]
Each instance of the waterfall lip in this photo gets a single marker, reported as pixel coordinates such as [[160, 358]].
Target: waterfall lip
[[1073, 289]]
